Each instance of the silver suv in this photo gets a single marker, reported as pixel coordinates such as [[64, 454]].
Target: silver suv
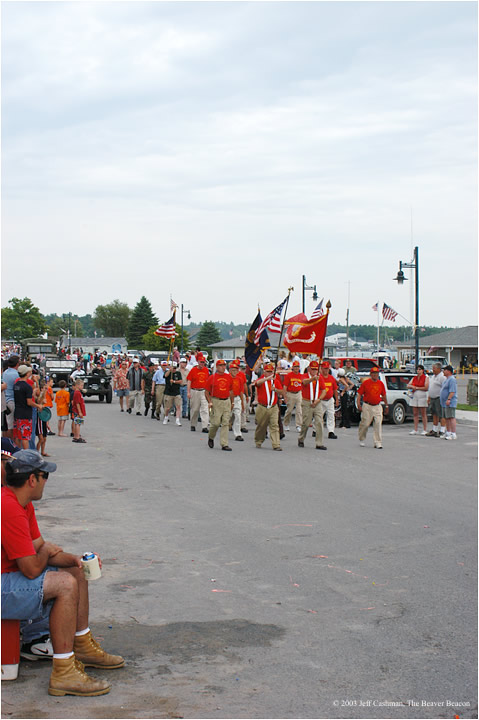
[[398, 395]]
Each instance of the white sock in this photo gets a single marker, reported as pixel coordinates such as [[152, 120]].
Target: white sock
[[435, 428], [442, 430], [82, 632], [62, 656]]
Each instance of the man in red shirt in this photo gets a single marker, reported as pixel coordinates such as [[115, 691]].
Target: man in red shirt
[[330, 399], [40, 580], [313, 391], [293, 383], [369, 397], [219, 396], [238, 380], [196, 382], [267, 390]]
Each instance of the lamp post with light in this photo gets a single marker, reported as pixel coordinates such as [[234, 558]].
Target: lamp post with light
[[308, 287], [400, 278], [189, 317]]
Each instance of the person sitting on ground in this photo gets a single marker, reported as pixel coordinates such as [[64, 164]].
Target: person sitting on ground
[[38, 578]]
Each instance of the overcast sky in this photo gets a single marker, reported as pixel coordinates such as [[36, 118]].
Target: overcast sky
[[219, 151]]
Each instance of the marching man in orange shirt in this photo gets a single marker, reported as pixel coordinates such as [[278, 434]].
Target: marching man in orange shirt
[[369, 398]]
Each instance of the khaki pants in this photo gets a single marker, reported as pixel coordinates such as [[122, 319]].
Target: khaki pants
[[327, 406], [134, 400], [159, 392], [199, 405], [237, 416], [310, 412], [220, 416], [371, 414], [294, 403], [267, 418]]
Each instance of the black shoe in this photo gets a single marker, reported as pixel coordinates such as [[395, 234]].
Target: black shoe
[[139, 413], [239, 439], [211, 443], [192, 428], [129, 411], [278, 448], [281, 437], [121, 410], [205, 430], [50, 433], [314, 433], [321, 447], [332, 436], [300, 443], [226, 447], [244, 430], [145, 413], [38, 649], [72, 435]]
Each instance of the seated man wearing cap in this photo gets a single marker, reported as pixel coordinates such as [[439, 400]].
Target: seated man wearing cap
[[40, 580]]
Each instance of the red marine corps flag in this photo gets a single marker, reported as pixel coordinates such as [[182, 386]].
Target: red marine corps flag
[[306, 336]]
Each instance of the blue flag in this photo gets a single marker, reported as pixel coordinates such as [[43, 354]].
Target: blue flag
[[252, 351]]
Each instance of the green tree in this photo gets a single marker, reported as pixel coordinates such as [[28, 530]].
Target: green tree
[[208, 335], [112, 318], [150, 341], [56, 326], [141, 320], [22, 320]]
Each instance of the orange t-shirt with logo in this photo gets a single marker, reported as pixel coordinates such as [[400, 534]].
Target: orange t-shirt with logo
[[293, 382], [237, 384], [219, 385], [198, 377], [331, 385], [49, 397], [371, 391]]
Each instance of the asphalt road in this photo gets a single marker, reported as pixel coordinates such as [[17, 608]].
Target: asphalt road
[[256, 584]]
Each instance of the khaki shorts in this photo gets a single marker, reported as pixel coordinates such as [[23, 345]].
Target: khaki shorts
[[419, 399]]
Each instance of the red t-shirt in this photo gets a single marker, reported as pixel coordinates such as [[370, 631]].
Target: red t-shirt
[[372, 390], [237, 384], [78, 400], [263, 392], [198, 377], [313, 390], [219, 385], [293, 381], [331, 385], [19, 530]]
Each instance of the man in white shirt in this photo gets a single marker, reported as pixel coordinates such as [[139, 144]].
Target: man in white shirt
[[436, 381]]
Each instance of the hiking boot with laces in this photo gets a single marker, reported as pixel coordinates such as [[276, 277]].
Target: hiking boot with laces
[[69, 678], [91, 653]]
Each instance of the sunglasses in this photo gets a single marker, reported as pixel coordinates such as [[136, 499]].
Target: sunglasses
[[43, 475]]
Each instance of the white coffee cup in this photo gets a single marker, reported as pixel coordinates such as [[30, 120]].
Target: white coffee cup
[[91, 566]]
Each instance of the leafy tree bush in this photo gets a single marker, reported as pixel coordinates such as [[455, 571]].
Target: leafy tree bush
[[112, 319], [141, 320], [22, 320]]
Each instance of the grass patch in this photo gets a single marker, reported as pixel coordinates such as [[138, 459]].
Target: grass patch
[[472, 408]]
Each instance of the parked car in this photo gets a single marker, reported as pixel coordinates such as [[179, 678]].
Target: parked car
[[359, 363], [428, 361], [397, 393]]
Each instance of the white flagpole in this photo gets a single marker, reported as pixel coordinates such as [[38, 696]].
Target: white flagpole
[[378, 331]]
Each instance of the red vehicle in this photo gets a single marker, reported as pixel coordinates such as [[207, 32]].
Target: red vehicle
[[359, 363]]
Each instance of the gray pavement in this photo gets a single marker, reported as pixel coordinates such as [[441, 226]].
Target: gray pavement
[[255, 584]]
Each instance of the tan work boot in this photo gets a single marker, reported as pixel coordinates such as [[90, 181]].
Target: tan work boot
[[69, 678], [90, 652]]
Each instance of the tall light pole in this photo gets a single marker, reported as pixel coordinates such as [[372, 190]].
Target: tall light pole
[[189, 317], [400, 278], [308, 287]]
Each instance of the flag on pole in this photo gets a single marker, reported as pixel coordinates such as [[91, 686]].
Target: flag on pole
[[375, 307], [173, 305], [272, 322], [389, 313], [318, 311], [251, 350], [168, 329], [306, 336]]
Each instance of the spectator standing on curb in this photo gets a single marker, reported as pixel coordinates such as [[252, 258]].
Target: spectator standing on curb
[[78, 411], [24, 402], [9, 376], [435, 384], [448, 397], [62, 401], [419, 386]]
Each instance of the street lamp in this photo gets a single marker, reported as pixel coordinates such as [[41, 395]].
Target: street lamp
[[308, 287], [189, 318], [400, 278]]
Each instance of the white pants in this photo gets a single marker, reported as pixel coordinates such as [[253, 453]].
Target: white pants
[[199, 406], [237, 416], [327, 406], [134, 400]]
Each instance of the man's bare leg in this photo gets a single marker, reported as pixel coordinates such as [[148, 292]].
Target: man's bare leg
[[63, 589]]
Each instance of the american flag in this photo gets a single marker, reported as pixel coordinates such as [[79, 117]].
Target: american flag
[[173, 305], [318, 311], [168, 329], [375, 307], [271, 322], [389, 313]]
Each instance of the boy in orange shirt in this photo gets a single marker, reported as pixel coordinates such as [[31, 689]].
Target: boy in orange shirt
[[62, 399]]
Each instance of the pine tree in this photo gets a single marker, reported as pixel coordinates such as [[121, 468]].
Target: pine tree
[[208, 335], [141, 320]]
